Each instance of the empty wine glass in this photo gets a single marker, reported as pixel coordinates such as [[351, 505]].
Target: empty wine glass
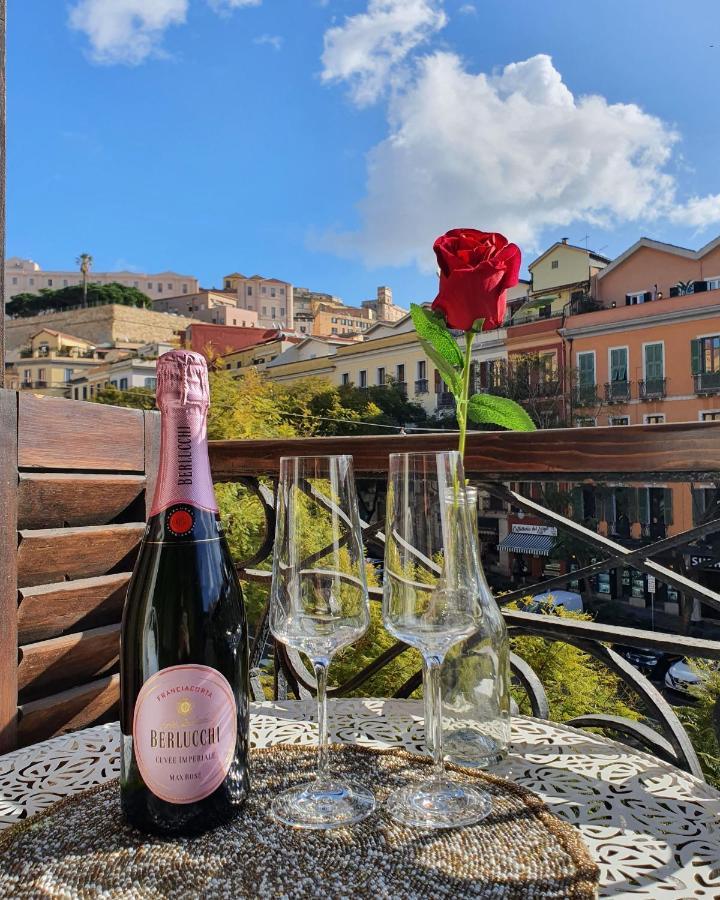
[[431, 601], [318, 605]]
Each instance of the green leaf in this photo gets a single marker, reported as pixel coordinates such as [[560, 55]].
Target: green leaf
[[477, 326], [451, 378], [486, 409], [432, 329]]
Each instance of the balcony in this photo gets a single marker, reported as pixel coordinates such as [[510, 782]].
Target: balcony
[[421, 386], [402, 387], [707, 383], [586, 395], [445, 400], [40, 384], [617, 391], [652, 389]]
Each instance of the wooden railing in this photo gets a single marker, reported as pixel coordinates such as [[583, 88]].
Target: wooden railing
[[74, 484]]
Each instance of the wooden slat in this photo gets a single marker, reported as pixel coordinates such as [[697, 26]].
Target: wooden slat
[[691, 447], [8, 569], [56, 554], [52, 500], [66, 606], [70, 434], [67, 661], [69, 710]]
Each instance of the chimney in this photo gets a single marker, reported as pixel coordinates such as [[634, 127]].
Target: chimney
[[565, 240]]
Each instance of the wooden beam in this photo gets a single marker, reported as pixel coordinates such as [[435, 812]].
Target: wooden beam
[[68, 710], [57, 554], [54, 500], [684, 449], [8, 569], [67, 661], [70, 434], [68, 606]]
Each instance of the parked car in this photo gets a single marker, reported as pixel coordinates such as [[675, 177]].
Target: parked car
[[568, 600], [680, 677], [649, 662]]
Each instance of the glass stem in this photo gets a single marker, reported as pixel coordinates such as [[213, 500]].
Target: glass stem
[[433, 711], [321, 671]]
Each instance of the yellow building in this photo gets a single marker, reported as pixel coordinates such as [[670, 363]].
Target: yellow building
[[52, 359], [560, 282], [391, 352], [259, 355]]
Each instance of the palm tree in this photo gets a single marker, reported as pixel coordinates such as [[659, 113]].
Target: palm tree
[[85, 262]]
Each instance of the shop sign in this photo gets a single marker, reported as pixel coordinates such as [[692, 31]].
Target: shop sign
[[534, 529]]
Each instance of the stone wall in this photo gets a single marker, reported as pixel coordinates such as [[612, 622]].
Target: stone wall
[[100, 324]]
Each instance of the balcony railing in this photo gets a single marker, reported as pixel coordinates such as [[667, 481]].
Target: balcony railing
[[421, 386], [40, 384], [652, 388], [73, 550], [617, 391], [586, 395], [707, 383], [402, 387], [445, 400]]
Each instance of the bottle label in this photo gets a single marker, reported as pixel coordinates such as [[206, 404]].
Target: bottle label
[[184, 475], [184, 732]]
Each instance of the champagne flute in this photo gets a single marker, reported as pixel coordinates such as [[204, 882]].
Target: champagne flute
[[318, 605], [431, 601]]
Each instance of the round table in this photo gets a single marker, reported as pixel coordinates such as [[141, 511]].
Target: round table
[[653, 829]]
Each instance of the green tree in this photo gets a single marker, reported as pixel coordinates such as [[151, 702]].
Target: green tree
[[85, 262], [700, 719], [26, 305], [135, 398]]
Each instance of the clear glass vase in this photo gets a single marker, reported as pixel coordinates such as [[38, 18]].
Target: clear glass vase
[[475, 681]]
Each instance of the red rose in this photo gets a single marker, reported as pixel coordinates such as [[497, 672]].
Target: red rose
[[476, 269]]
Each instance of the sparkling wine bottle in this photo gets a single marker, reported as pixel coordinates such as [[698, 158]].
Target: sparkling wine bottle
[[183, 650]]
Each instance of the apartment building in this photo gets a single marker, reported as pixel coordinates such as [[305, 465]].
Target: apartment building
[[270, 298], [50, 361], [215, 307], [26, 276], [261, 354], [312, 356]]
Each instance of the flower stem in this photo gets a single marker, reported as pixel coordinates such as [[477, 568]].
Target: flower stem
[[463, 402]]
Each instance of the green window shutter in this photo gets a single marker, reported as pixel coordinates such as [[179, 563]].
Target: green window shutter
[[586, 363], [654, 367], [618, 364], [643, 496], [696, 357], [668, 506]]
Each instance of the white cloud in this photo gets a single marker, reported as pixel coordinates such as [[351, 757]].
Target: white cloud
[[468, 9], [272, 40], [368, 48], [224, 5], [126, 31], [515, 152]]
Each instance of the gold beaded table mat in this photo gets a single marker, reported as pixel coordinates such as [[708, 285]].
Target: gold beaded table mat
[[81, 847]]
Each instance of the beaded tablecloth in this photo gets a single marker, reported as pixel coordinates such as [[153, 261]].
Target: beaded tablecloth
[[653, 829]]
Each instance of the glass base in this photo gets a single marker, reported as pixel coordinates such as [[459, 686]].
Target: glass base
[[438, 803], [469, 748], [323, 804]]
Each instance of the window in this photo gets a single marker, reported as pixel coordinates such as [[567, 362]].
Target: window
[[76, 393], [32, 281], [711, 416], [169, 286], [272, 312], [545, 312], [49, 282], [272, 292], [114, 382], [149, 285], [264, 310], [584, 422], [123, 384], [65, 282], [381, 375], [400, 373], [619, 420], [282, 311], [713, 284], [68, 375], [638, 297], [15, 281], [555, 264], [27, 375], [705, 355], [363, 378], [151, 383], [654, 363], [159, 287], [303, 329], [249, 290], [422, 370], [184, 289], [42, 375], [264, 289], [345, 378], [135, 284], [586, 372], [654, 419], [84, 393], [333, 331], [618, 364]]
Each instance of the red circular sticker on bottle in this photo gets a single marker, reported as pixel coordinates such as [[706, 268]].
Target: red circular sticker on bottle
[[185, 732], [180, 521]]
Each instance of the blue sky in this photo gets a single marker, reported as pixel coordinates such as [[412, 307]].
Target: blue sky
[[328, 143]]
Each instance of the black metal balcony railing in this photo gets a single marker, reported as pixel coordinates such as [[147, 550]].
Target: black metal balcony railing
[[445, 400], [494, 461], [707, 383], [617, 391], [402, 387], [40, 384], [421, 386], [652, 388], [586, 395]]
